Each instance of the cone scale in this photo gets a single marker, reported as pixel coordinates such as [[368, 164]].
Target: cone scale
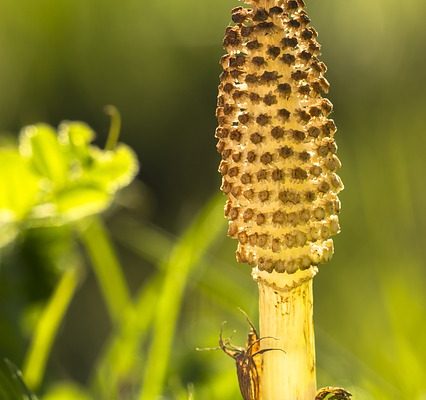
[[279, 168]]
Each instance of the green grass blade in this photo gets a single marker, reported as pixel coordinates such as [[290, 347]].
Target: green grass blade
[[12, 386], [107, 268], [153, 244], [184, 257], [121, 355], [47, 327]]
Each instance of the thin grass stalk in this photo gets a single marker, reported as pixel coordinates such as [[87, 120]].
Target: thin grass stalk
[[47, 327], [118, 362], [107, 268], [184, 257]]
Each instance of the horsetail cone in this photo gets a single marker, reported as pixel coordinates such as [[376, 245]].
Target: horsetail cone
[[277, 143]]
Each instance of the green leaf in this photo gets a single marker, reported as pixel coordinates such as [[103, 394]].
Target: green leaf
[[77, 136], [12, 387], [74, 203], [19, 187], [19, 192], [53, 179], [40, 145], [113, 170]]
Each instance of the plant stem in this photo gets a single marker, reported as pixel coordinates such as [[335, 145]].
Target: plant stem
[[47, 327], [106, 266], [186, 254], [286, 314], [114, 130], [122, 356]]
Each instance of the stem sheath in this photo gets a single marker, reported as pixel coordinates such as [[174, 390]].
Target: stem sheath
[[286, 314]]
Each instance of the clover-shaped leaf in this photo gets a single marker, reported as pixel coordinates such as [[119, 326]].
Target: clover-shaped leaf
[[114, 169], [58, 178], [79, 201]]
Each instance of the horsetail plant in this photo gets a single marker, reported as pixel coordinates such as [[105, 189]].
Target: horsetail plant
[[279, 168]]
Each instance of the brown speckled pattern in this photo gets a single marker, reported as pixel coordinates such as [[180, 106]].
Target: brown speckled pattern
[[277, 143]]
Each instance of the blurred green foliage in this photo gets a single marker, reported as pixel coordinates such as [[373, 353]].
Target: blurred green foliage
[[158, 63], [50, 179], [11, 384]]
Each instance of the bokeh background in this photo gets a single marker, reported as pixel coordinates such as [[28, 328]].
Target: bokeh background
[[157, 61]]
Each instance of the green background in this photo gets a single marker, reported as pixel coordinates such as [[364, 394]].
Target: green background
[[157, 61]]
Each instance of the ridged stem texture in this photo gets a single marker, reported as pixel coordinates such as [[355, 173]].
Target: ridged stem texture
[[287, 317]]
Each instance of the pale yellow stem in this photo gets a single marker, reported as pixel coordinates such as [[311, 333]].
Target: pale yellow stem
[[286, 314]]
